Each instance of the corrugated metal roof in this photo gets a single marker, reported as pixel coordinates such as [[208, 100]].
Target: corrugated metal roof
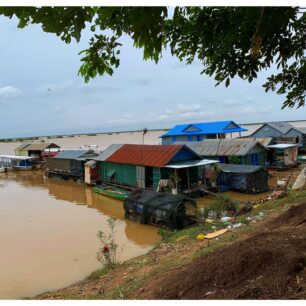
[[300, 129], [23, 145], [16, 157], [282, 146], [146, 155], [41, 146], [239, 168], [90, 162], [221, 147], [192, 163], [282, 127], [204, 128], [263, 141], [72, 154], [108, 152], [36, 146]]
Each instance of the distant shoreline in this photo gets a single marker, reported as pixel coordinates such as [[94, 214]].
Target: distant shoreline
[[30, 138], [16, 139]]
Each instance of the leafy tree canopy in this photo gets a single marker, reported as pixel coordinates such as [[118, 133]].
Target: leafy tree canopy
[[229, 41]]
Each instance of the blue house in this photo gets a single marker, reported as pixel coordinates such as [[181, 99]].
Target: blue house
[[200, 131]]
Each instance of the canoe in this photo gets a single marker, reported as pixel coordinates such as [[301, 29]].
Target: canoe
[[112, 192]]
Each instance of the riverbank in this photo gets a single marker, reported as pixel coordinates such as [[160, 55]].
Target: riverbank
[[178, 256]]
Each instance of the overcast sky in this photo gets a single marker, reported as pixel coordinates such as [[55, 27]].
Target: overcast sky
[[41, 94]]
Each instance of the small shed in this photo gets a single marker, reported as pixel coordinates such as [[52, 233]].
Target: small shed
[[158, 208], [38, 150], [69, 164], [231, 151], [283, 155], [91, 172], [243, 178]]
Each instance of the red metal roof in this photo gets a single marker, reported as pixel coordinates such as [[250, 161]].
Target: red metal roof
[[145, 155]]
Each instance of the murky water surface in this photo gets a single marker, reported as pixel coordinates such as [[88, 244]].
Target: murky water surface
[[48, 233]]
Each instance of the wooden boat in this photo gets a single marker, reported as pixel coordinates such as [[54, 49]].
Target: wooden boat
[[302, 159], [112, 192]]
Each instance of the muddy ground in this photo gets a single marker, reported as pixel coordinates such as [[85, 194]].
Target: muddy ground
[[269, 264]]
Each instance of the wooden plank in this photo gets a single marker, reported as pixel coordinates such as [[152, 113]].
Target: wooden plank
[[208, 192], [216, 233], [181, 238]]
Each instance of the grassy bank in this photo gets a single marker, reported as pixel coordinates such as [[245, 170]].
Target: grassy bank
[[175, 250]]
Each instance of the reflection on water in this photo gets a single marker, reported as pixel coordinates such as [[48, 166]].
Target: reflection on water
[[48, 233]]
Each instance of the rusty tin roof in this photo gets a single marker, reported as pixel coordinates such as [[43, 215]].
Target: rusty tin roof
[[145, 155]]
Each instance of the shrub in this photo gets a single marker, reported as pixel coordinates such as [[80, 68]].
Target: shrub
[[108, 253]]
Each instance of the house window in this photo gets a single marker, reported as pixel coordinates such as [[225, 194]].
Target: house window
[[190, 138], [199, 137], [267, 129], [173, 138], [254, 159]]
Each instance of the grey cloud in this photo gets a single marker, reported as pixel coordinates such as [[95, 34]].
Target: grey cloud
[[9, 92]]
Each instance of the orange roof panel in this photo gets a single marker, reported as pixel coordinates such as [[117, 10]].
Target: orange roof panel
[[145, 155]]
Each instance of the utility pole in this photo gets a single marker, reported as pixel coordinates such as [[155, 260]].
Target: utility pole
[[144, 131]]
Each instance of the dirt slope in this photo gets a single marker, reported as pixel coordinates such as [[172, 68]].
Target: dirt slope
[[269, 264]]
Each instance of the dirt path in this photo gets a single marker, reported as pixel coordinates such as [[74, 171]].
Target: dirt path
[[269, 264]]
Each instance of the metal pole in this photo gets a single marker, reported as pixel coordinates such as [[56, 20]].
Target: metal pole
[[204, 175], [188, 178]]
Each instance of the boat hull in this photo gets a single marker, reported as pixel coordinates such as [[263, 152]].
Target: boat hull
[[112, 193]]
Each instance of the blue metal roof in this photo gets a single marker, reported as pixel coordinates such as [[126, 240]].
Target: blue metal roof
[[204, 128]]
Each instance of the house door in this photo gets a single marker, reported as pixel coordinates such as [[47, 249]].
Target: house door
[[254, 159], [140, 176], [149, 177]]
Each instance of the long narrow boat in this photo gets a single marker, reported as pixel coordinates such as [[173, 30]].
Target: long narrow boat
[[112, 192]]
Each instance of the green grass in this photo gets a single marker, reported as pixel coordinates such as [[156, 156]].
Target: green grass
[[98, 273], [192, 232]]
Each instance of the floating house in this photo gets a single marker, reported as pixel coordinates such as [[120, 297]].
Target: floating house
[[38, 150], [272, 129], [201, 131], [150, 166], [299, 134], [69, 164], [228, 151], [282, 156], [282, 132], [17, 162], [278, 155], [243, 178]]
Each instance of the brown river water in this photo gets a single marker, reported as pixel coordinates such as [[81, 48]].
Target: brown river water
[[48, 233], [48, 228]]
